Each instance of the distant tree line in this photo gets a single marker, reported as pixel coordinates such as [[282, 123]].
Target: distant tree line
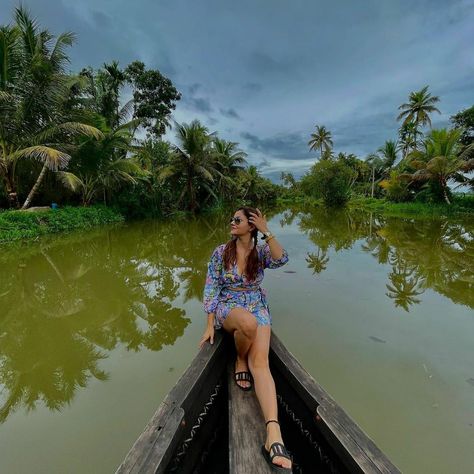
[[419, 165], [73, 138]]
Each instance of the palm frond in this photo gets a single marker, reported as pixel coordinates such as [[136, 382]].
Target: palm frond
[[70, 180], [55, 159]]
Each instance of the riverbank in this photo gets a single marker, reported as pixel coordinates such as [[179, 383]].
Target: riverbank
[[461, 205], [18, 225]]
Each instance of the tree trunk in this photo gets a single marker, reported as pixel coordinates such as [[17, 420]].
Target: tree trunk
[[445, 194], [11, 193], [192, 204], [34, 189], [373, 182]]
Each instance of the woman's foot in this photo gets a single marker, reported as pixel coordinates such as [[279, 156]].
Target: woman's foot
[[274, 436], [242, 366]]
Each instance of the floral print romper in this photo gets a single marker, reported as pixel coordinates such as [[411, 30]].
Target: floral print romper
[[220, 297]]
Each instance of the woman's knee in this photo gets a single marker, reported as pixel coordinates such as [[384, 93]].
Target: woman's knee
[[248, 327]]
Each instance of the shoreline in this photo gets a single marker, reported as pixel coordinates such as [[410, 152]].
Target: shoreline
[[16, 226]]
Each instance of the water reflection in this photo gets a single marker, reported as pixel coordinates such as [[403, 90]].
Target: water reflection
[[436, 253], [68, 301]]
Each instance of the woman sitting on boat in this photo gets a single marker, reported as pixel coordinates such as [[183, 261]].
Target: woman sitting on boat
[[234, 301]]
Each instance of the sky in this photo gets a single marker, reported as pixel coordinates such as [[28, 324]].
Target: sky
[[264, 73]]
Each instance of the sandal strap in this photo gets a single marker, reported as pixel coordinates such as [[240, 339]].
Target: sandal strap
[[242, 376], [278, 449], [272, 421]]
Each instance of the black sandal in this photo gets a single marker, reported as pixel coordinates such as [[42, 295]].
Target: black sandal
[[276, 449], [243, 377]]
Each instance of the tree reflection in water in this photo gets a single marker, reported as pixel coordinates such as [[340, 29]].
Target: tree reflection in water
[[67, 301], [436, 253]]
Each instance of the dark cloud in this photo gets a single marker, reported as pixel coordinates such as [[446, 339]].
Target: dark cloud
[[198, 104], [291, 146], [230, 113], [346, 65]]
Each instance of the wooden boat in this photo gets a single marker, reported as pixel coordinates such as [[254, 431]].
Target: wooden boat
[[206, 424]]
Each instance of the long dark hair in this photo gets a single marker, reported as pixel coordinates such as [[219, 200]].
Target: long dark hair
[[230, 250]]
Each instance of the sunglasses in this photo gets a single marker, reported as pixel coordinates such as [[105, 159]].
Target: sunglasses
[[237, 220]]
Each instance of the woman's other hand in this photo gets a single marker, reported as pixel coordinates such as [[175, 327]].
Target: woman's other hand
[[207, 336]]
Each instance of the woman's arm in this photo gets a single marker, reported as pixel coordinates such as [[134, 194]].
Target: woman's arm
[[277, 254], [212, 287], [276, 250]]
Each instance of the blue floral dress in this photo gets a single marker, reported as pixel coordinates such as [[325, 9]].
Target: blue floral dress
[[219, 294]]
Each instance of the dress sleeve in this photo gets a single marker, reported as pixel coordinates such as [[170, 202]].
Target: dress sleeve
[[269, 262], [212, 286]]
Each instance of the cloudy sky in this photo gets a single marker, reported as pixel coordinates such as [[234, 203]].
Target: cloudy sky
[[265, 72]]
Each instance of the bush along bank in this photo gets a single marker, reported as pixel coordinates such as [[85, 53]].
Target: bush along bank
[[461, 205], [16, 225]]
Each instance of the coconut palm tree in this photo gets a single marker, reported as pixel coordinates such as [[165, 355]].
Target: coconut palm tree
[[377, 168], [440, 161], [418, 109], [231, 160], [193, 164], [388, 152], [111, 168], [34, 88], [406, 135], [321, 139]]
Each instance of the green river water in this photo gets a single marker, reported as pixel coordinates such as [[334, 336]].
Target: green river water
[[96, 327]]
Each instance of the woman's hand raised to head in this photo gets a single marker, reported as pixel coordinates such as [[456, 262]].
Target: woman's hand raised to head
[[259, 221]]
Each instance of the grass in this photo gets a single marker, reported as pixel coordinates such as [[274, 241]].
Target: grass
[[18, 225], [461, 205]]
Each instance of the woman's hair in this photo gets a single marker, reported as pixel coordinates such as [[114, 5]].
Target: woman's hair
[[230, 250]]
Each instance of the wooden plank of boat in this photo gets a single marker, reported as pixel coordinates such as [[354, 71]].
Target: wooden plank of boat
[[246, 430], [318, 423], [153, 450], [358, 452]]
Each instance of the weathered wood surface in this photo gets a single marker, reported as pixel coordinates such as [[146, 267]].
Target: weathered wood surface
[[352, 443], [356, 449], [246, 430], [152, 451]]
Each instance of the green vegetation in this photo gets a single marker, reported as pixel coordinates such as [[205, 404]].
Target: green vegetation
[[419, 171], [15, 225], [461, 204], [69, 138]]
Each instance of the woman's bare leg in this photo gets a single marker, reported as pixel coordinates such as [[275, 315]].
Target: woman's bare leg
[[243, 326], [265, 388]]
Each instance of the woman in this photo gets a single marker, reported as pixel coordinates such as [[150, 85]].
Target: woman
[[234, 301]]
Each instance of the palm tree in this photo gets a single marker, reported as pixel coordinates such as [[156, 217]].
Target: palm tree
[[230, 159], [440, 161], [417, 109], [33, 91], [388, 152], [111, 168], [377, 167], [193, 163], [321, 139], [407, 143]]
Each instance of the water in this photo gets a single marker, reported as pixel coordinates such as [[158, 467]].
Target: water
[[96, 328]]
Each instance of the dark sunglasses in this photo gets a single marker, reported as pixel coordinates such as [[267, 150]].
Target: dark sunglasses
[[237, 220]]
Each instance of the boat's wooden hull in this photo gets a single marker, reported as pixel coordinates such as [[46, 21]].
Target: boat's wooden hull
[[190, 430]]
